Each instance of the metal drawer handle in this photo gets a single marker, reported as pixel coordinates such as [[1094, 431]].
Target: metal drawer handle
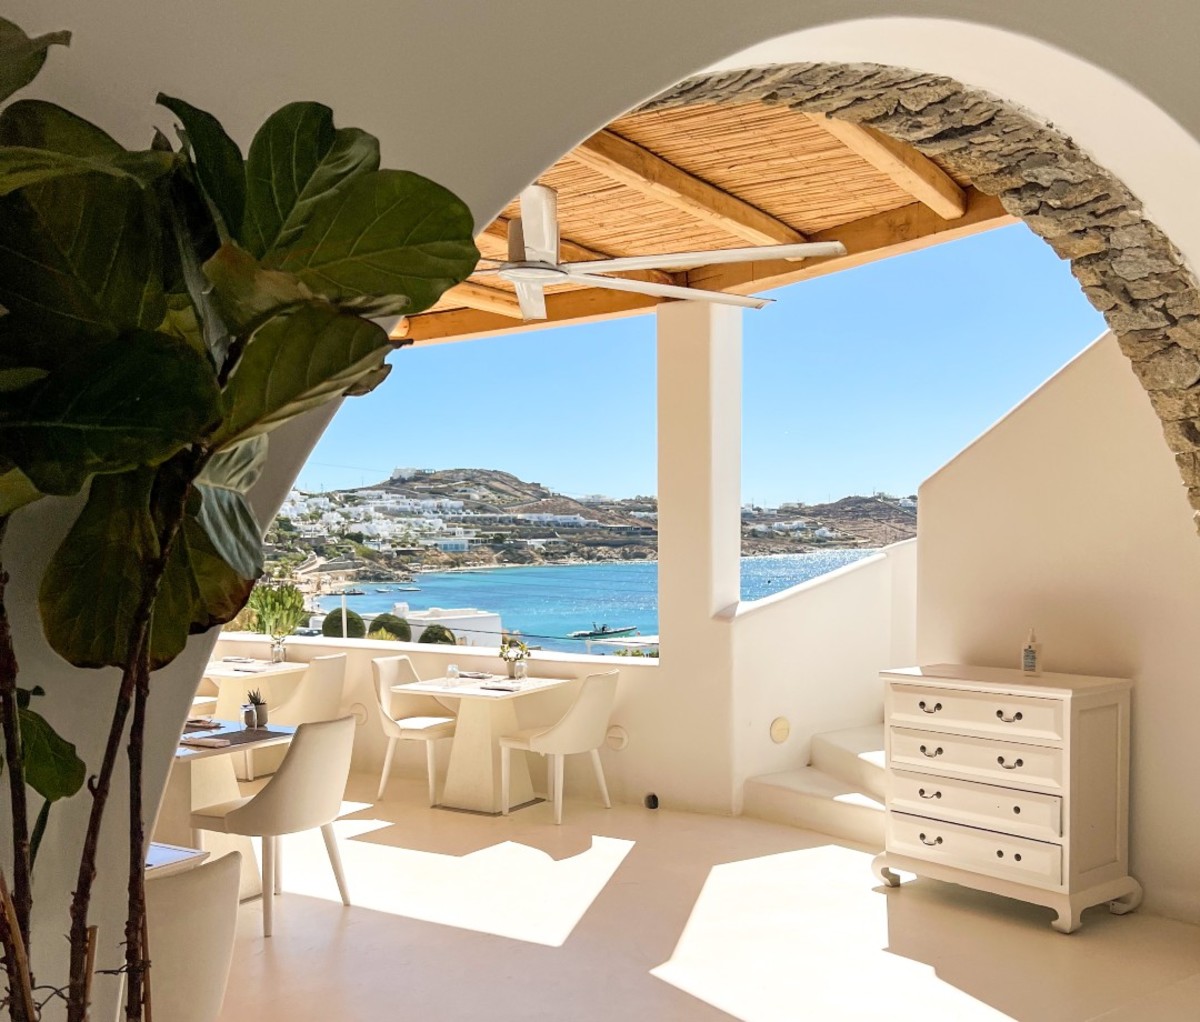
[[1010, 766], [936, 752], [1010, 720], [935, 841], [924, 709], [921, 792]]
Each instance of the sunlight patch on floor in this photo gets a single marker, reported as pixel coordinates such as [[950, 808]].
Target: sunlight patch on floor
[[507, 889], [804, 935]]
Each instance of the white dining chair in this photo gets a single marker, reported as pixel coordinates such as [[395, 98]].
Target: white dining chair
[[305, 792], [581, 729], [316, 696], [191, 920], [423, 718]]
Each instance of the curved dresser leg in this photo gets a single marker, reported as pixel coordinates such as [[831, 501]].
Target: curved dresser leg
[[880, 868], [1068, 917], [1127, 902]]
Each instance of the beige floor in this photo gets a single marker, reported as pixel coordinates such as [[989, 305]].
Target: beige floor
[[634, 914]]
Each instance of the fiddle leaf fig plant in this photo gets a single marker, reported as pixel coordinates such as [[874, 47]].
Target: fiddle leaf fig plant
[[161, 313]]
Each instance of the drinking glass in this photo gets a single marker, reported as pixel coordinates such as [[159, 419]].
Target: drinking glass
[[520, 670], [452, 673]]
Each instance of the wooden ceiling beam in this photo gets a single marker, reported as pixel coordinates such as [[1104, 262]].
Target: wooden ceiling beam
[[493, 243], [566, 307], [908, 169], [648, 174], [486, 299], [869, 239]]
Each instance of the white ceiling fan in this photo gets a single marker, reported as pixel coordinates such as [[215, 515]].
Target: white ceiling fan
[[533, 261]]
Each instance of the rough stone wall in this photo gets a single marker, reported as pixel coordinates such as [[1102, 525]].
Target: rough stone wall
[[1128, 268]]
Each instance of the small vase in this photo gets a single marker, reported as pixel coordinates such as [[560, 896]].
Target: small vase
[[278, 653], [512, 668], [260, 714]]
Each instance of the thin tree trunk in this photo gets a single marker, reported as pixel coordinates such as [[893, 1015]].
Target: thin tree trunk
[[20, 989], [136, 964], [176, 479], [14, 927]]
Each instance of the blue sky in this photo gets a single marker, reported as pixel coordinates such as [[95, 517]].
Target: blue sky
[[866, 380]]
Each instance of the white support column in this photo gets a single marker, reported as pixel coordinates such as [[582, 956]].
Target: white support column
[[699, 461], [689, 761]]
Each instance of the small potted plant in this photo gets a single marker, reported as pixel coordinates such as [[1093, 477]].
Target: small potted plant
[[514, 652], [260, 707]]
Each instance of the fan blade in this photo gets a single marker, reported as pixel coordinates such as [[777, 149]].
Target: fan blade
[[683, 260], [532, 298], [539, 224], [645, 287]]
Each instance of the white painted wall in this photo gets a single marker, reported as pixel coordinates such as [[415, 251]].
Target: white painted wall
[[1069, 516], [812, 655]]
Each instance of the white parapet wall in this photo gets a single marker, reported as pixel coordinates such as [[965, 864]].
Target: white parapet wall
[[811, 656]]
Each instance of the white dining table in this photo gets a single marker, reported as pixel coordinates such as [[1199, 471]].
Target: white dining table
[[276, 681], [473, 776], [204, 775]]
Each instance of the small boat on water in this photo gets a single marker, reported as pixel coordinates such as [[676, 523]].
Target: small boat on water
[[601, 632], [352, 592], [406, 589], [382, 589]]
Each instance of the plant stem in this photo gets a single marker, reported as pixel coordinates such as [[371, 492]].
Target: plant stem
[[136, 965], [99, 785], [177, 475], [20, 985], [22, 894]]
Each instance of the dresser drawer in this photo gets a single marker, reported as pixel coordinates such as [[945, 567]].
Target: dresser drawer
[[1006, 716], [978, 805], [980, 851], [982, 759]]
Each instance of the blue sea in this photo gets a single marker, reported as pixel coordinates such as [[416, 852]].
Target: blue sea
[[547, 602]]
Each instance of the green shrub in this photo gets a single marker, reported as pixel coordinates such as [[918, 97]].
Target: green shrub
[[355, 628], [393, 627], [438, 634]]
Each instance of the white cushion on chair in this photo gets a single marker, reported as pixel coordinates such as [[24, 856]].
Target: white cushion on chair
[[213, 817], [522, 739], [426, 727]]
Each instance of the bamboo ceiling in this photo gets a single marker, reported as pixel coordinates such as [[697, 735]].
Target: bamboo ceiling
[[719, 176]]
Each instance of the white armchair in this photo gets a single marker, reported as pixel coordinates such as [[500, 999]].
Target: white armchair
[[581, 729], [423, 718]]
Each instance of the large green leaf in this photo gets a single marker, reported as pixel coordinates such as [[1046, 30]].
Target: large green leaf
[[21, 167], [52, 767], [19, 378], [21, 57], [246, 294], [199, 590], [296, 361], [218, 161], [390, 242], [104, 553], [225, 513], [37, 124], [296, 160], [80, 258], [133, 401], [16, 491]]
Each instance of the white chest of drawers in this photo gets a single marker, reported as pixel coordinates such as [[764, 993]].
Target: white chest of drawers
[[1010, 784]]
